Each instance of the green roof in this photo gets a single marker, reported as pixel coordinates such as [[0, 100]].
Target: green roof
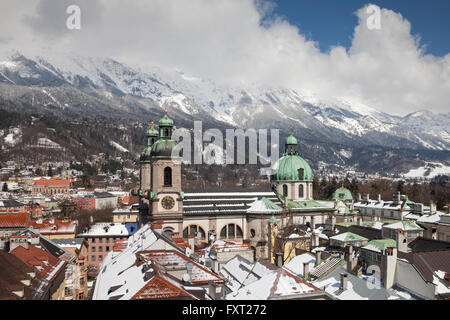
[[383, 244], [354, 237], [165, 121], [342, 194], [289, 169], [152, 132], [404, 225], [163, 148], [270, 205], [145, 155], [291, 140]]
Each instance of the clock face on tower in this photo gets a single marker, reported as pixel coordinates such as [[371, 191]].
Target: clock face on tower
[[168, 202]]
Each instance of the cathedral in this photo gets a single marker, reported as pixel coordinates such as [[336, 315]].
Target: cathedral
[[238, 217]]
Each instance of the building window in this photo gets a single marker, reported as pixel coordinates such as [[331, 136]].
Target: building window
[[285, 190], [231, 231], [100, 258], [100, 249], [93, 240], [167, 177], [107, 248], [195, 230], [92, 249], [301, 191], [100, 240], [93, 258], [301, 174]]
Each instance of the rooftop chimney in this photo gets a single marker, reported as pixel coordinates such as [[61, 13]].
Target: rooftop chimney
[[318, 254], [279, 259], [191, 241], [313, 223], [344, 281], [188, 276], [359, 221], [402, 241], [212, 290], [432, 207], [305, 269]]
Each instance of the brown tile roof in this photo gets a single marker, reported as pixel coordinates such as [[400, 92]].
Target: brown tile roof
[[14, 220], [13, 272], [47, 265], [162, 286], [422, 244], [428, 262]]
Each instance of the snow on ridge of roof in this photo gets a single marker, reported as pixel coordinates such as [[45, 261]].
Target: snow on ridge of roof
[[404, 225], [232, 194], [348, 236], [114, 229]]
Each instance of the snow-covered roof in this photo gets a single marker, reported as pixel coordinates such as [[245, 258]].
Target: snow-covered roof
[[277, 284], [358, 288], [295, 265], [106, 229]]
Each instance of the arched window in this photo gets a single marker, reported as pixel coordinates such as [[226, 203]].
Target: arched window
[[285, 190], [166, 132], [168, 232], [301, 173], [301, 191], [231, 231], [168, 177], [194, 230]]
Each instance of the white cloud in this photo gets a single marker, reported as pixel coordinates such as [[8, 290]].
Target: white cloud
[[239, 41]]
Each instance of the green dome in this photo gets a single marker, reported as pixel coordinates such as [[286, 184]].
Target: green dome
[[163, 148], [152, 132], [146, 153], [165, 121], [342, 194], [291, 140], [289, 168]]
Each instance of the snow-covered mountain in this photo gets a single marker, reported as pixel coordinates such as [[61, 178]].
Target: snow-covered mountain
[[95, 86]]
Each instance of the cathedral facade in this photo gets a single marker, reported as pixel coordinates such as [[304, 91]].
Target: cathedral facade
[[238, 217]]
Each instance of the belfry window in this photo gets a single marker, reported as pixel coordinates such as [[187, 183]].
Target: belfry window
[[285, 190], [166, 132], [301, 191], [168, 177], [301, 174]]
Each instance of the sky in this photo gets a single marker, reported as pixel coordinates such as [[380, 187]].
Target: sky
[[426, 18], [325, 47]]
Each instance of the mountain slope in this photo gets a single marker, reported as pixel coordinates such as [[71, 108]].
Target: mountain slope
[[86, 87]]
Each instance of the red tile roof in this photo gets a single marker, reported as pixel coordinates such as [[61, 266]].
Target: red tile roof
[[200, 274], [50, 266], [14, 220], [162, 286], [57, 227], [52, 183]]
